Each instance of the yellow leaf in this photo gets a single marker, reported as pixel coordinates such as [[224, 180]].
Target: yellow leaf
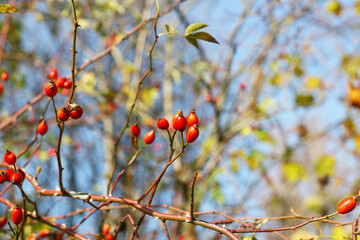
[[246, 131], [313, 203], [340, 232], [313, 83], [293, 172], [357, 7], [267, 104], [302, 234], [148, 96], [87, 83], [357, 143], [43, 155], [334, 7], [66, 139], [84, 23], [6, 8]]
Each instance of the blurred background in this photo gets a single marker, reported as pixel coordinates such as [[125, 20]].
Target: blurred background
[[277, 100]]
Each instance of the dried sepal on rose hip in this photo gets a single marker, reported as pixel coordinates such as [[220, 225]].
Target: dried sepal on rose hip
[[63, 114], [346, 205], [175, 116], [9, 157], [6, 174], [51, 89], [76, 111], [17, 178]]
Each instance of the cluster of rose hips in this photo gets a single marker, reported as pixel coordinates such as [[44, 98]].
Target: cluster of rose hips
[[56, 83], [45, 233], [179, 123], [8, 175], [74, 111], [4, 77], [106, 232]]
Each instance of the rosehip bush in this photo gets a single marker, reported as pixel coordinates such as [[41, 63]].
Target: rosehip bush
[[272, 147]]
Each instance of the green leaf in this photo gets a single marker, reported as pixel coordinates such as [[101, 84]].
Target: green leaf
[[216, 194], [192, 41], [194, 27], [304, 100], [203, 36], [255, 159], [233, 164], [167, 28], [264, 136], [6, 8]]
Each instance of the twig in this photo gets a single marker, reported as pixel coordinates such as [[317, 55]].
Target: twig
[[126, 125], [127, 166], [192, 196], [166, 230], [76, 25]]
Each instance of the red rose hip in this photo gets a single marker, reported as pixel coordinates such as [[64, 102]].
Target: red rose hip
[[162, 123], [53, 73], [346, 205], [50, 89], [106, 228], [3, 221], [135, 130], [149, 137], [63, 114], [17, 215], [192, 118], [17, 178], [175, 116], [42, 128], [179, 121], [60, 82], [77, 112], [192, 133], [4, 76], [9, 157], [67, 84], [6, 174]]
